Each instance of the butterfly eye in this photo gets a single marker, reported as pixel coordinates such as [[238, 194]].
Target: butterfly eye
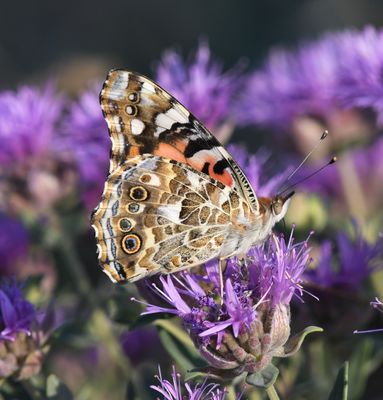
[[131, 243], [133, 97], [277, 207], [138, 193]]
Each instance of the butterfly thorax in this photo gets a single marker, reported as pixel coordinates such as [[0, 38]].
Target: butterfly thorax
[[255, 227]]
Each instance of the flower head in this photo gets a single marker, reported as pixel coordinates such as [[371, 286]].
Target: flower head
[[250, 324], [200, 85], [338, 70], [23, 334], [28, 122], [17, 314], [177, 390], [278, 267], [86, 137], [355, 261]]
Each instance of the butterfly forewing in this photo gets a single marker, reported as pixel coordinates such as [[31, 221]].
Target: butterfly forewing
[[144, 119], [173, 192]]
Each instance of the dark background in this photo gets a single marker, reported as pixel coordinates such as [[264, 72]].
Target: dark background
[[73, 40]]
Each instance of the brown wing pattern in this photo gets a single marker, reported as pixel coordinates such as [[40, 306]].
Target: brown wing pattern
[[159, 215]]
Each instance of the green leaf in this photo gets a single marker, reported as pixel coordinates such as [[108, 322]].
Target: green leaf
[[56, 390], [265, 378], [340, 388], [295, 341]]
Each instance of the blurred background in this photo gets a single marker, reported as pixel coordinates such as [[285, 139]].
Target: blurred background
[[54, 57]]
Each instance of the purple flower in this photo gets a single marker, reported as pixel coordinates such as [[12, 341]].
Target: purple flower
[[338, 70], [239, 309], [250, 324], [140, 344], [13, 242], [86, 137], [17, 314], [23, 333], [28, 122], [355, 261], [363, 164], [360, 70], [177, 390], [277, 268], [201, 85]]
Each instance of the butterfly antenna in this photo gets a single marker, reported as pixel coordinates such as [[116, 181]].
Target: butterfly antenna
[[317, 144], [332, 161]]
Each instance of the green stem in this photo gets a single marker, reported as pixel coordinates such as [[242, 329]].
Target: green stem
[[272, 393]]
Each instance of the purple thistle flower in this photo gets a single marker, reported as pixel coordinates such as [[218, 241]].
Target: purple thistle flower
[[360, 70], [339, 70], [250, 324], [201, 85], [368, 167], [140, 344], [356, 259], [277, 269], [239, 310], [28, 122], [175, 389], [13, 242], [86, 137], [17, 314]]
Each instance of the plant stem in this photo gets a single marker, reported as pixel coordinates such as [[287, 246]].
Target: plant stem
[[272, 393]]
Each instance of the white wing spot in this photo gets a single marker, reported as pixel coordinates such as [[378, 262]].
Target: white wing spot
[[149, 87], [137, 126]]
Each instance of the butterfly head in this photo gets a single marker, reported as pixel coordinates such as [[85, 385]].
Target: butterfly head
[[279, 205]]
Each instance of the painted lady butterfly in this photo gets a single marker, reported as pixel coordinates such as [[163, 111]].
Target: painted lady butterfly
[[174, 197]]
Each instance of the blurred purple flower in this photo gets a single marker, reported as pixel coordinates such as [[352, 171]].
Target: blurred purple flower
[[140, 344], [13, 242], [28, 122], [17, 314], [338, 70], [177, 390], [201, 85], [360, 69], [368, 167], [86, 137], [356, 259]]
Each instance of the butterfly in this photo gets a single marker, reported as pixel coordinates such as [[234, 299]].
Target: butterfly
[[174, 197]]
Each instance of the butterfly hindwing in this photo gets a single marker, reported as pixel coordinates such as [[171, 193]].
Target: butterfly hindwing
[[144, 119], [159, 215]]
